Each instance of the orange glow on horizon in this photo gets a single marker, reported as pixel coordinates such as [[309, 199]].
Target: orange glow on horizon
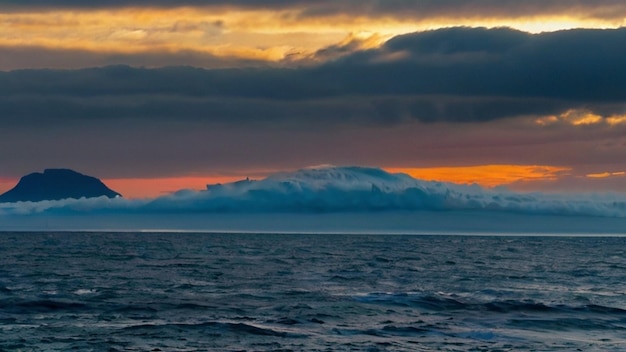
[[155, 187], [485, 175], [6, 184]]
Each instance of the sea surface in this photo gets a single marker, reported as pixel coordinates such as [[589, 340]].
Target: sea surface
[[297, 292]]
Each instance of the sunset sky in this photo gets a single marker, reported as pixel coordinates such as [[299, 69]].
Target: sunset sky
[[156, 96]]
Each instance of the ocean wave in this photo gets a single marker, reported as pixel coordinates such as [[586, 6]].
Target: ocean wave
[[530, 299], [216, 327], [440, 303], [28, 307]]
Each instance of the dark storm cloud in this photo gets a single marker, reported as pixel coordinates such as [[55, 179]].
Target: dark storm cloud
[[576, 64], [423, 9], [457, 74]]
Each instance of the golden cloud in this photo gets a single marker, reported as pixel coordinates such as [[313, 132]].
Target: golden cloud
[[581, 117], [606, 174], [250, 33]]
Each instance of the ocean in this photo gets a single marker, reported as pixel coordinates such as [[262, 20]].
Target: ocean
[[310, 292]]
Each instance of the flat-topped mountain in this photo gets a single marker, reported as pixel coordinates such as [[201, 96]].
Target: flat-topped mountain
[[55, 184]]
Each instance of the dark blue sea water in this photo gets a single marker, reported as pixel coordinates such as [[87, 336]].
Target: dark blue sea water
[[263, 292]]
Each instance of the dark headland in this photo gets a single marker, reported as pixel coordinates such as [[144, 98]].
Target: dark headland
[[56, 184]]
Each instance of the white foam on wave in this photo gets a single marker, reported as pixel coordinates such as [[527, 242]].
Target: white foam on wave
[[83, 291]]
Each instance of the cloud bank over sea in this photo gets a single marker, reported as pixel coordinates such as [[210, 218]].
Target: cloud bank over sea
[[330, 199], [328, 189]]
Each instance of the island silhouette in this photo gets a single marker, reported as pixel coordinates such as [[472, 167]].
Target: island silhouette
[[56, 184]]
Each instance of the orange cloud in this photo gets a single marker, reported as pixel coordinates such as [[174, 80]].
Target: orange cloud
[[616, 120], [606, 174], [485, 175], [581, 117]]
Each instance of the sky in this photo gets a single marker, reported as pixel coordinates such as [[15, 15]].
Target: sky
[[156, 96]]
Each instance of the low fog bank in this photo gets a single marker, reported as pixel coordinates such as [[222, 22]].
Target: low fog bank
[[331, 199], [330, 189]]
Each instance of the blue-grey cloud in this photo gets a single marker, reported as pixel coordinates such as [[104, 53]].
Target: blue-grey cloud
[[580, 65], [335, 189], [32, 57]]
